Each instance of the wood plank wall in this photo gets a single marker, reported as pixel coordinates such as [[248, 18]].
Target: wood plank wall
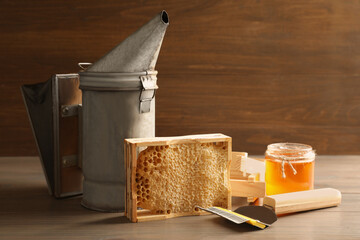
[[259, 71]]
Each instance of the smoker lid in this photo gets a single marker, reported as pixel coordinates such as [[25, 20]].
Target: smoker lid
[[117, 81]]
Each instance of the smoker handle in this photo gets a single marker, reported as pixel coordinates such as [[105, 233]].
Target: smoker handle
[[84, 65]]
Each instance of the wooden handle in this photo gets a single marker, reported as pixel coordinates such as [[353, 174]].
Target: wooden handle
[[245, 188], [303, 201]]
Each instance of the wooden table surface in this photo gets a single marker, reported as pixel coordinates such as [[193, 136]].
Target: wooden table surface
[[28, 212]]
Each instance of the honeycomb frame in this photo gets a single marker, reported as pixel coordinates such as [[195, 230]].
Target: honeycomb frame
[[136, 185]]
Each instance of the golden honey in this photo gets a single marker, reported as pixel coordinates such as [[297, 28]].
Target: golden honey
[[289, 168]]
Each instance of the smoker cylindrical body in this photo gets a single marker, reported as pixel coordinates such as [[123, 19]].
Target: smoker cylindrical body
[[112, 110]]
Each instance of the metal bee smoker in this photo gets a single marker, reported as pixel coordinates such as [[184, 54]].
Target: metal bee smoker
[[116, 101]]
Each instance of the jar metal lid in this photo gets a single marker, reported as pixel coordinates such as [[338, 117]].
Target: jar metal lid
[[290, 151]]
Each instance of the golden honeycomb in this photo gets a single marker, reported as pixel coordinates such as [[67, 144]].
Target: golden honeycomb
[[176, 178]]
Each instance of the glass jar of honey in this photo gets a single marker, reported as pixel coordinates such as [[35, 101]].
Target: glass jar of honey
[[289, 168]]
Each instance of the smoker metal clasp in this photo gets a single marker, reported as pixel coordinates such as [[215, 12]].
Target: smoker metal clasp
[[70, 110], [70, 161], [148, 91]]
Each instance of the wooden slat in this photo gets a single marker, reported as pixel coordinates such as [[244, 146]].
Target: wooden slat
[[237, 165], [255, 167], [228, 144], [127, 186], [133, 195], [161, 141], [147, 216], [244, 188]]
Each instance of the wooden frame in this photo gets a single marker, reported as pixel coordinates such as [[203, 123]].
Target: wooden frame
[[131, 150]]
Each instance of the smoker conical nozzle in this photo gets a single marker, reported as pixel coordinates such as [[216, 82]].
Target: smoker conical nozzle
[[138, 52]]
